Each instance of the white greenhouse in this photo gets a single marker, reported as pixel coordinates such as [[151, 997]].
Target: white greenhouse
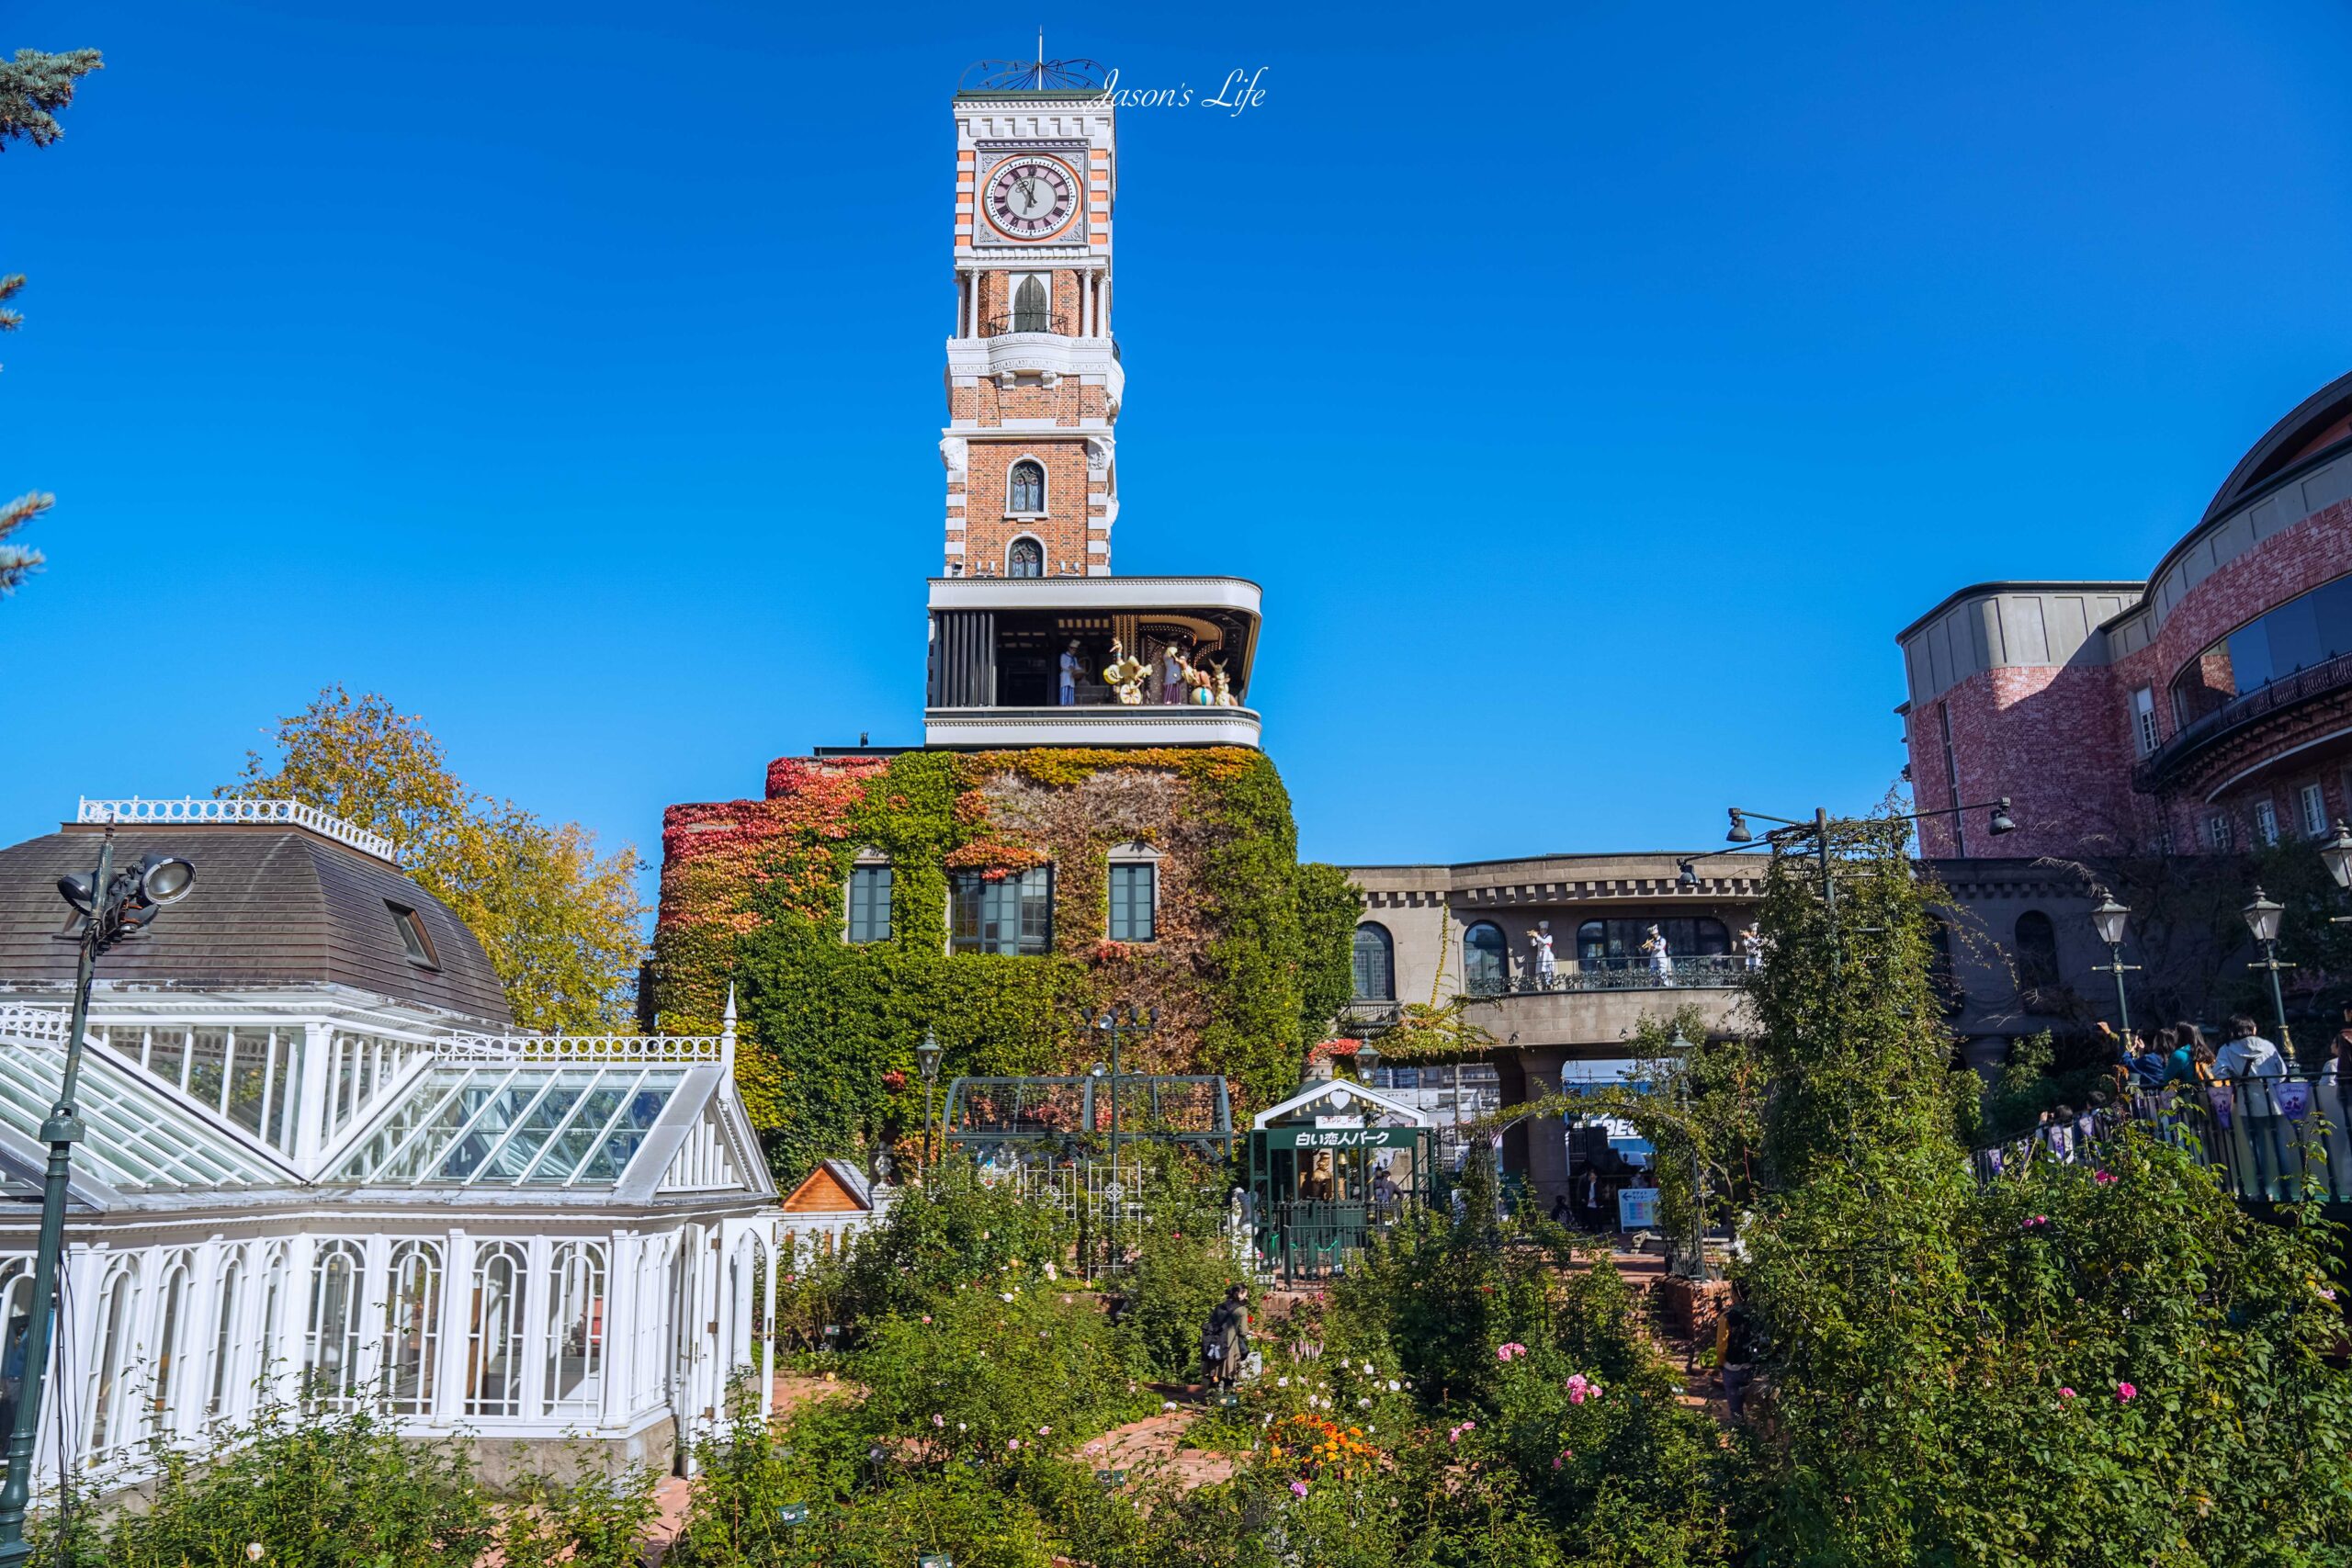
[[320, 1166]]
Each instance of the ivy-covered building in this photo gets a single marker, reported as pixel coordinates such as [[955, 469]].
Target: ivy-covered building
[[1090, 821]]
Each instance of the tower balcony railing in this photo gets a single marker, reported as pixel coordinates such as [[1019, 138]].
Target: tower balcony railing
[[2193, 739], [1056, 323]]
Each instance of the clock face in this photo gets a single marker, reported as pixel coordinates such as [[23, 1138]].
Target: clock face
[[1032, 198]]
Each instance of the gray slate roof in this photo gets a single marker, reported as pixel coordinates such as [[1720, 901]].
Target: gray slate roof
[[272, 905]]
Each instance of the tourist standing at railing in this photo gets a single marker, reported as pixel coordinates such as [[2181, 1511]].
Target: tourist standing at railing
[[1661, 961], [2181, 1063], [2249, 1063]]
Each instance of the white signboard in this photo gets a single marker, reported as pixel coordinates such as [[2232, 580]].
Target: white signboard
[[1637, 1208]]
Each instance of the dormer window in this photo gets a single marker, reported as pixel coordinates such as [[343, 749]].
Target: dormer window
[[415, 941]]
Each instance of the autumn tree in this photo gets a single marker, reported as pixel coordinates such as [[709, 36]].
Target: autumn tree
[[561, 924], [33, 88]]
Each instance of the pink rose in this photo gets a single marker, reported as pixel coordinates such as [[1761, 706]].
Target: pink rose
[[2066, 1393], [2124, 1392]]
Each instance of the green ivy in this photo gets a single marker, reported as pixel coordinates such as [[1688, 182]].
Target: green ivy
[[1249, 972]]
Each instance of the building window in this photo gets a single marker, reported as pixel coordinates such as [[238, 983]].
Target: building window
[[1375, 964], [2144, 720], [2037, 952], [2266, 822], [170, 1329], [331, 1340], [1007, 912], [1032, 305], [869, 903], [224, 1337], [1603, 944], [412, 1327], [494, 1338], [2313, 802], [575, 1340], [1134, 901], [2310, 629], [1026, 557], [107, 1393], [1025, 489], [1486, 960], [1941, 977], [415, 941], [2220, 836]]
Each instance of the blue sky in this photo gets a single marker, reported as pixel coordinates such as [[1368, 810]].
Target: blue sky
[[1595, 391]]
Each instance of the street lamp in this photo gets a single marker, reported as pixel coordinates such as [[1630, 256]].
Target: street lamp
[[1367, 1058], [2109, 920], [112, 905], [1118, 1024], [927, 1057], [2337, 855], [1682, 1048], [2262, 918]]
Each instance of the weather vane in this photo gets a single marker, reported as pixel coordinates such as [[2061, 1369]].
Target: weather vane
[[1032, 75]]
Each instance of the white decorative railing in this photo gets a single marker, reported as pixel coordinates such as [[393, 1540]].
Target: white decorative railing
[[41, 1028], [584, 1048], [190, 809]]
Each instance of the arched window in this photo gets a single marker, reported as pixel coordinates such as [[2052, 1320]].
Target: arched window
[[331, 1336], [224, 1337], [412, 1327], [110, 1371], [494, 1351], [1025, 488], [2037, 952], [1031, 308], [1486, 960], [1025, 559], [1375, 964], [576, 1329], [171, 1330]]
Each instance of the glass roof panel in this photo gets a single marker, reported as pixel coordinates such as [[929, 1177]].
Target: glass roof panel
[[620, 1142], [139, 1137], [503, 1123]]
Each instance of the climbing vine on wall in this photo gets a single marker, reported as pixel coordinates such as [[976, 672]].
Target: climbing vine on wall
[[753, 892]]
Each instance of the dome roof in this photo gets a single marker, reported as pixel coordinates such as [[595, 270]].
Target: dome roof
[[2319, 421], [272, 905]]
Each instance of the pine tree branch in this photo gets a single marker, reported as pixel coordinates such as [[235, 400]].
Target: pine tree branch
[[16, 564], [34, 86]]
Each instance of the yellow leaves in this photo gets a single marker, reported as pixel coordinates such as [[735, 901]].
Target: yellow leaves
[[560, 925]]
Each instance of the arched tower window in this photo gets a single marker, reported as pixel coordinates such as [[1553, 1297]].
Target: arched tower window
[[1025, 559], [1031, 308], [1025, 489], [2037, 952], [1486, 962], [1375, 964], [330, 1343]]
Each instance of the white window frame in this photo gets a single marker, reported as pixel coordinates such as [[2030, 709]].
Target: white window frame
[[2143, 721], [2221, 835], [1044, 494], [2266, 822], [2312, 804]]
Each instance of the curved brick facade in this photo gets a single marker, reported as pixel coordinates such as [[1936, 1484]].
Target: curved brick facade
[[2060, 697]]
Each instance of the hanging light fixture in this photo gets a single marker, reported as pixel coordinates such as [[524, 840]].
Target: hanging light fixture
[[2002, 821]]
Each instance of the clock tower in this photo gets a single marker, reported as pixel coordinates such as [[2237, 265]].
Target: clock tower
[[1034, 380]]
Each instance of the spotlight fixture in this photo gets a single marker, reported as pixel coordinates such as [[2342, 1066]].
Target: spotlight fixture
[[1739, 833]]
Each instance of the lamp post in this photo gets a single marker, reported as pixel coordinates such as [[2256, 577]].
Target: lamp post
[[1367, 1059], [112, 905], [2262, 920], [2337, 855], [927, 1057], [2109, 919], [1118, 1024], [1794, 830], [1682, 1048]]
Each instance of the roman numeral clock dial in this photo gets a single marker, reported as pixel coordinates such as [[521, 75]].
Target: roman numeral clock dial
[[1031, 198]]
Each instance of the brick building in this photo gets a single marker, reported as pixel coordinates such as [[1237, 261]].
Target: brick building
[[2203, 712], [2205, 709]]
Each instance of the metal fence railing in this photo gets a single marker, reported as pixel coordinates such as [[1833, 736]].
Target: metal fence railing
[[2271, 1139]]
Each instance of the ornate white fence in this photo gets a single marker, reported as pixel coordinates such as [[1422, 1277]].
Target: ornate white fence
[[193, 809]]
